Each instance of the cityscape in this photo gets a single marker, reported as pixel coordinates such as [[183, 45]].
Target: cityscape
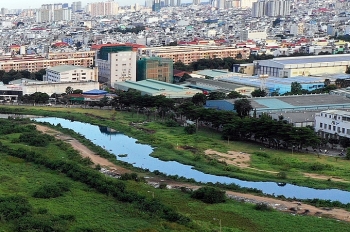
[[238, 103]]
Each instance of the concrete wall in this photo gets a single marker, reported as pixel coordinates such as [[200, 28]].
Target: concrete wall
[[58, 88]]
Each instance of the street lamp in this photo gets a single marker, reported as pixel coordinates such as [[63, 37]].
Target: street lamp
[[152, 193], [216, 219]]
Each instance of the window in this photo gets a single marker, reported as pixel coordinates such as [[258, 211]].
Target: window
[[343, 130], [325, 126], [321, 124], [334, 128], [329, 127]]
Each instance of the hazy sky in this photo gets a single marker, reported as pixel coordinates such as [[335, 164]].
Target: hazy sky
[[25, 4]]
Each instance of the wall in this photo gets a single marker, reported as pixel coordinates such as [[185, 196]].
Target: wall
[[59, 88]]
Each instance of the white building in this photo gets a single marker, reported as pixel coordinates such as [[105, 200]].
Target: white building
[[333, 123], [258, 9], [303, 65], [70, 73], [118, 67], [44, 15], [253, 34], [271, 8]]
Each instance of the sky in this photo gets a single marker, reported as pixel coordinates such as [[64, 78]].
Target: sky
[[25, 4]]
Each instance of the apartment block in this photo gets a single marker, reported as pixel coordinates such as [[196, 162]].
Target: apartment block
[[36, 63], [103, 8], [189, 54]]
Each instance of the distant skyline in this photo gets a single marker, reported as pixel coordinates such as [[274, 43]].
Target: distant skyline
[[25, 4]]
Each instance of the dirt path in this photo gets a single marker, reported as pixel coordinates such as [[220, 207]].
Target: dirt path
[[291, 207]]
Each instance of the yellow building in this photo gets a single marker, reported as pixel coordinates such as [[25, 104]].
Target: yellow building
[[189, 54]]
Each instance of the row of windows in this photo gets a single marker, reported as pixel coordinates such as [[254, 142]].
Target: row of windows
[[334, 128]]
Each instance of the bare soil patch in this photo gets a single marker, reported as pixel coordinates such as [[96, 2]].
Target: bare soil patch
[[239, 159]]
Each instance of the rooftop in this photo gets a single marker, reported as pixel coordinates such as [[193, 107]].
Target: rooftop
[[66, 68], [313, 59]]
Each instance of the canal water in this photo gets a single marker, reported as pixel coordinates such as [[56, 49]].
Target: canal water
[[139, 156]]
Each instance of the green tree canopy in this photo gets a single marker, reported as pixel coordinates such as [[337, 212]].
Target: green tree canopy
[[243, 107]]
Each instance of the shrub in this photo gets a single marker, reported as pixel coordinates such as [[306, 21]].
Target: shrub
[[162, 185], [51, 190], [282, 175], [171, 123], [262, 154], [209, 195], [263, 207], [190, 129], [14, 207]]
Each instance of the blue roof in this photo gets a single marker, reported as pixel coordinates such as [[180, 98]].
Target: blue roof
[[95, 92]]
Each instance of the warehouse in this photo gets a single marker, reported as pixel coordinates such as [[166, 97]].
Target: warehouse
[[154, 88], [303, 65]]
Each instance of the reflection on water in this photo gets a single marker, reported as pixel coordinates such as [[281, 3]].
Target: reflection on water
[[108, 131], [139, 156]]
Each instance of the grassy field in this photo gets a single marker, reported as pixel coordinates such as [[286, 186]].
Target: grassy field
[[171, 143], [94, 211]]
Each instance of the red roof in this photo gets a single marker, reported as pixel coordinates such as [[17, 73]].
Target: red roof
[[15, 46], [61, 44], [99, 46]]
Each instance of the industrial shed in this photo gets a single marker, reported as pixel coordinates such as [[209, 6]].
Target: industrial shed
[[154, 88]]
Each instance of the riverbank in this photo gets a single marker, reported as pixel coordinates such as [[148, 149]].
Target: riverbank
[[173, 144], [285, 206]]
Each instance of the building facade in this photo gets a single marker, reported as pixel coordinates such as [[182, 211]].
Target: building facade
[[70, 73], [189, 54], [333, 123], [116, 64], [103, 8], [155, 68], [303, 66]]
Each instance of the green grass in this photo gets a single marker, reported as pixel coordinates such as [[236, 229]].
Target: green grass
[[170, 141], [94, 210]]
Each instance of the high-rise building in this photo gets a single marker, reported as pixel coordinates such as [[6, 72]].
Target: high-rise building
[[221, 4], [76, 6], [166, 3], [103, 8], [258, 9], [155, 68], [44, 15], [271, 8], [172, 2], [62, 15], [196, 2], [178, 2], [156, 5]]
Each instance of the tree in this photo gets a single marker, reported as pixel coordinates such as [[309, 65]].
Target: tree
[[199, 99], [209, 195], [69, 90], [259, 93], [216, 96], [234, 94], [243, 107], [327, 82], [77, 91], [295, 88], [347, 70]]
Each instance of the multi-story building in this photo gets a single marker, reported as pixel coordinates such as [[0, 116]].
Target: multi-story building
[[189, 54], [44, 15], [62, 15], [178, 2], [258, 9], [35, 63], [155, 68], [333, 123], [196, 2], [116, 64], [156, 5], [76, 6], [271, 8], [103, 8], [70, 73]]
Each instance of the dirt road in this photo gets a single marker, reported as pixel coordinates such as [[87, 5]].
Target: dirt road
[[290, 207]]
